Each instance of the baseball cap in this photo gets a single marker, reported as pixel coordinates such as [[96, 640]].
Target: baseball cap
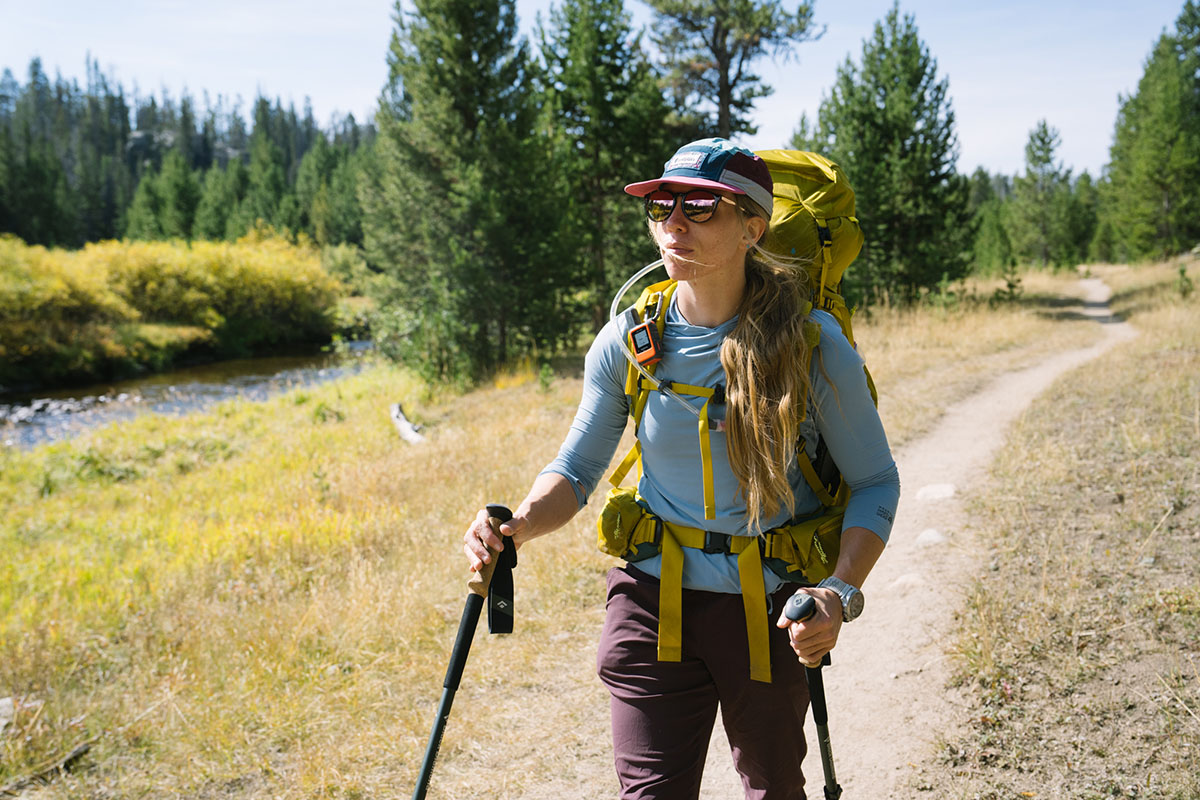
[[715, 164]]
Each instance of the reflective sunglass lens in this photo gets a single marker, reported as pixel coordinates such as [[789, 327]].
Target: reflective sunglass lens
[[699, 206], [659, 205]]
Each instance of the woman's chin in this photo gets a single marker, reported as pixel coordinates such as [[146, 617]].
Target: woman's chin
[[678, 269]]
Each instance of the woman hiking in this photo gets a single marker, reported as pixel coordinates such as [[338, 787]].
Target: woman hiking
[[719, 484]]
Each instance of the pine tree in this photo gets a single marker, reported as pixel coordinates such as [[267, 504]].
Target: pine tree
[[212, 213], [1041, 197], [312, 182], [179, 193], [457, 207], [889, 123], [982, 189], [267, 182], [335, 212], [991, 250], [805, 136], [609, 119], [710, 47], [1082, 216], [7, 163], [218, 213], [1152, 197], [144, 219]]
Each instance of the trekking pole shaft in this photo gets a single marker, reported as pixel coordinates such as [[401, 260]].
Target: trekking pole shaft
[[477, 589], [454, 672], [435, 743], [816, 692], [800, 608], [462, 642]]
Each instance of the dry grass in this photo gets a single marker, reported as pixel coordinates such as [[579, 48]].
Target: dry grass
[[1079, 649], [271, 615], [260, 601], [924, 359]]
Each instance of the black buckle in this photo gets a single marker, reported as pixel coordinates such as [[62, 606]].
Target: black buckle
[[717, 542]]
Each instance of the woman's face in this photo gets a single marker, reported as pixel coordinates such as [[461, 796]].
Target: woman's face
[[692, 250]]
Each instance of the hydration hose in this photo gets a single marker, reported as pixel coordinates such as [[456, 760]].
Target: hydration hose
[[613, 313]]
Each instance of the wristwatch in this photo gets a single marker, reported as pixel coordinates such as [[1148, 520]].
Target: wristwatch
[[852, 598]]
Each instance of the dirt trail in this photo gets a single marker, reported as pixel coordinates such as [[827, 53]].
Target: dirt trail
[[887, 701]]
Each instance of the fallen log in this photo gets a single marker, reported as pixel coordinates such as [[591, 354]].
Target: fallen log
[[408, 431]]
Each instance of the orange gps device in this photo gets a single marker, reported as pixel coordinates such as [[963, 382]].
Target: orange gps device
[[647, 344]]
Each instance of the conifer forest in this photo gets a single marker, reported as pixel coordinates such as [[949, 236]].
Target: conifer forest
[[481, 209]]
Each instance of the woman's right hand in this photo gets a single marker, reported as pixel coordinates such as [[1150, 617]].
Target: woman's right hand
[[480, 542]]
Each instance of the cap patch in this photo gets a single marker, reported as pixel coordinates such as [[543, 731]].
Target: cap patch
[[686, 160]]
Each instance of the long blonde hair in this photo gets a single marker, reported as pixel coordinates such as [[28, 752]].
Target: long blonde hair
[[766, 364]]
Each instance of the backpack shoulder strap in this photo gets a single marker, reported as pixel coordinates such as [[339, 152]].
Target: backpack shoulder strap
[[819, 469], [654, 299]]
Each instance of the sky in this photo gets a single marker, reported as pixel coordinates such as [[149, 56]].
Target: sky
[[1009, 64]]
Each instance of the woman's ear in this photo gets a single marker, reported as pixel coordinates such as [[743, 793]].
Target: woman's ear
[[755, 228]]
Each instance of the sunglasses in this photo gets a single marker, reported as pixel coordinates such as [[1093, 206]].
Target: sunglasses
[[698, 204]]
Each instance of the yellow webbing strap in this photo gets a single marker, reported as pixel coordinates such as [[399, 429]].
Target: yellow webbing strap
[[632, 457], [814, 481], [754, 603], [638, 394], [634, 389], [710, 502], [670, 596]]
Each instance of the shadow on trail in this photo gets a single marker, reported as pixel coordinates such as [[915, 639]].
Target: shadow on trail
[[1141, 298]]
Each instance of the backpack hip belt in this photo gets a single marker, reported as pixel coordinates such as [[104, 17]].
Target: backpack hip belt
[[803, 551]]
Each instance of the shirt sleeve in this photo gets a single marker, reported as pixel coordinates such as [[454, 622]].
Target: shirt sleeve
[[850, 425], [600, 420]]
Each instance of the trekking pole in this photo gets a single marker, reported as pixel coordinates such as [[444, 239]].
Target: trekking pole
[[493, 581], [801, 607]]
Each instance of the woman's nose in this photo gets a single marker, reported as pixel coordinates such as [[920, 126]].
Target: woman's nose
[[677, 220]]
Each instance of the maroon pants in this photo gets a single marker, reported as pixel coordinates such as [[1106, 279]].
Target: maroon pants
[[663, 712]]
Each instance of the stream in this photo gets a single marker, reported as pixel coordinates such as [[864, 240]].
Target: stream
[[27, 420]]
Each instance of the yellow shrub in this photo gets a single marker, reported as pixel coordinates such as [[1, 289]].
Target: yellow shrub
[[66, 315]]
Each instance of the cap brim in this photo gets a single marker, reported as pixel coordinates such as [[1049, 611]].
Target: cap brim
[[643, 188]]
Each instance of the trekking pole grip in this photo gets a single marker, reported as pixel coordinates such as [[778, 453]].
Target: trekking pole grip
[[481, 580], [800, 607]]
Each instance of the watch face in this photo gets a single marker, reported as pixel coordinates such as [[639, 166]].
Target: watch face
[[854, 605]]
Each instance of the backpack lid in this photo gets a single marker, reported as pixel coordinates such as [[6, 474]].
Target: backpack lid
[[810, 191]]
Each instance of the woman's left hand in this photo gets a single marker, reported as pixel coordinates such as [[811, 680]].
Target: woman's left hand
[[816, 636]]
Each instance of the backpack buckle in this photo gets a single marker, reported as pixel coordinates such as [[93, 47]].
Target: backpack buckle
[[717, 542]]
